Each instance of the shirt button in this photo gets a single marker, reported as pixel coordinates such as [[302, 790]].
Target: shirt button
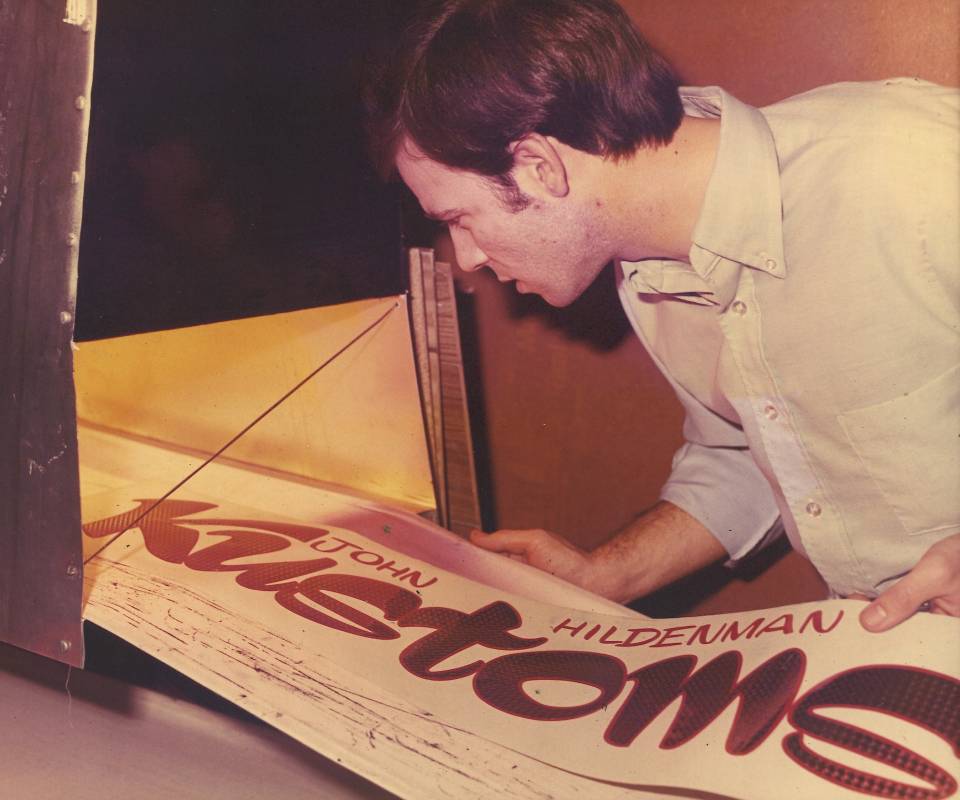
[[739, 307], [771, 263], [771, 413], [813, 509]]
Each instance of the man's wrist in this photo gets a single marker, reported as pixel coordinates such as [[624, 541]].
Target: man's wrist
[[613, 577], [657, 548]]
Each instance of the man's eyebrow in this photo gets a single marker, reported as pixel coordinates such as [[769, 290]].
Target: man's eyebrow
[[444, 216]]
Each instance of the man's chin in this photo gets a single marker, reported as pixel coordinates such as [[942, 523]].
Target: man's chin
[[555, 300], [526, 288]]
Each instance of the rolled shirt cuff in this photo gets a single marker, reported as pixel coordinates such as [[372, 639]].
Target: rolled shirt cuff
[[722, 488]]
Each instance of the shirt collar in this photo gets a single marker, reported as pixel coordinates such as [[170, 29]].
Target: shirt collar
[[741, 218]]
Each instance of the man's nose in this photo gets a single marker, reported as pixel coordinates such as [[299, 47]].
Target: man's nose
[[469, 256]]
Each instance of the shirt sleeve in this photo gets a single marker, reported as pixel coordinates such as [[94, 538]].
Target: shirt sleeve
[[714, 477], [716, 481], [722, 489]]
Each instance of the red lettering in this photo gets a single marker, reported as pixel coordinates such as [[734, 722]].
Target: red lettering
[[733, 630], [671, 633], [302, 533], [336, 549], [275, 576], [371, 559], [924, 698], [765, 696], [391, 567], [566, 626], [783, 624], [700, 634], [500, 682], [261, 577], [815, 618], [608, 633], [414, 577], [630, 641], [163, 538], [392, 600], [171, 542], [454, 632]]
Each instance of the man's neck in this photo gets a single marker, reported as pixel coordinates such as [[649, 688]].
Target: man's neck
[[655, 197]]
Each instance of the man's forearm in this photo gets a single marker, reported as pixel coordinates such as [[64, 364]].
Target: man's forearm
[[655, 549], [664, 544]]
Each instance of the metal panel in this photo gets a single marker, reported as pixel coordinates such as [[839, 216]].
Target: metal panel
[[46, 54], [433, 311]]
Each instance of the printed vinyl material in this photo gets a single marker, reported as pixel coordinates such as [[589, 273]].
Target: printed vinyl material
[[299, 619]]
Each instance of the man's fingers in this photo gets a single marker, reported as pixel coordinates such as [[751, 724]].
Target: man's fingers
[[903, 599], [933, 583], [517, 542], [506, 546]]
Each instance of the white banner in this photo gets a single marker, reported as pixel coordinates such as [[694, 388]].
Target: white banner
[[795, 702]]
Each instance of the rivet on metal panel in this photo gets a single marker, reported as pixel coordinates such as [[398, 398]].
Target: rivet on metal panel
[[80, 103], [72, 239], [64, 645], [65, 317]]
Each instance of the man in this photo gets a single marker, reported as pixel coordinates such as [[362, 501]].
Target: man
[[792, 270]]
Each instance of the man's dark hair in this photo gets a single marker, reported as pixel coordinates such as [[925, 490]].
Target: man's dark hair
[[469, 77]]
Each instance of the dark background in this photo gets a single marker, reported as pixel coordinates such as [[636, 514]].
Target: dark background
[[226, 171]]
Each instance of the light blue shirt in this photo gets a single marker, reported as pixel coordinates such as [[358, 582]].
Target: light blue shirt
[[814, 337]]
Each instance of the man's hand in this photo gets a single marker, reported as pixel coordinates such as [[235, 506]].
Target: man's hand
[[935, 580], [658, 547], [543, 550]]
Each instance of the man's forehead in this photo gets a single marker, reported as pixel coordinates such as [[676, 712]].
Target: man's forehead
[[409, 155], [411, 161], [442, 191]]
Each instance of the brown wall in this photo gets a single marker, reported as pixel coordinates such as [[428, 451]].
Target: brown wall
[[580, 427], [764, 50]]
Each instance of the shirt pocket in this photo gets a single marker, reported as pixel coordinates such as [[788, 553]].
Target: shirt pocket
[[910, 447]]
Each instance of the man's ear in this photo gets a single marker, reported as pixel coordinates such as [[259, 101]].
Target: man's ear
[[538, 167]]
